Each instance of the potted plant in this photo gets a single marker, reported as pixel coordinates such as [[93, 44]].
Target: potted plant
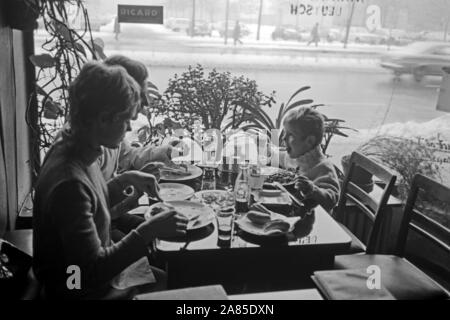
[[213, 97], [360, 177], [404, 156]]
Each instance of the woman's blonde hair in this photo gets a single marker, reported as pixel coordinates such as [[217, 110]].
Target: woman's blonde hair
[[306, 122], [101, 88]]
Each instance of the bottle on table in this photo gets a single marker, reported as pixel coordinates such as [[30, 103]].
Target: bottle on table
[[242, 190]]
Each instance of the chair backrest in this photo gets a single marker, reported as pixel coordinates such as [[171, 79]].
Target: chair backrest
[[372, 208], [424, 235], [434, 194]]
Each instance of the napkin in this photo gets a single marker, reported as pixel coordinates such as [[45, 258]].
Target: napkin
[[348, 285], [138, 273], [213, 292]]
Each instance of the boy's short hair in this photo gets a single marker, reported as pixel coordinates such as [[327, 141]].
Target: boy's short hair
[[101, 88], [306, 122]]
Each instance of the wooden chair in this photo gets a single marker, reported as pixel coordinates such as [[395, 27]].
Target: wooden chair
[[421, 239], [403, 279], [373, 209]]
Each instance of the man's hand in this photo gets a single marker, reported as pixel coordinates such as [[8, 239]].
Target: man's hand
[[165, 224]]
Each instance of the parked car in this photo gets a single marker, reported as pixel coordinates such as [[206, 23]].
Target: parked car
[[178, 24], [419, 59], [362, 35], [220, 27], [201, 28], [288, 32]]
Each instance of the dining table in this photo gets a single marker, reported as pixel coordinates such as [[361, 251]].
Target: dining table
[[250, 263]]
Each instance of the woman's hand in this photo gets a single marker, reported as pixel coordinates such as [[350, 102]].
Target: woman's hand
[[305, 186], [161, 154], [165, 224], [141, 181], [153, 168]]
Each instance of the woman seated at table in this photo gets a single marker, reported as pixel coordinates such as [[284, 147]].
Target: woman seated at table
[[72, 200], [317, 181]]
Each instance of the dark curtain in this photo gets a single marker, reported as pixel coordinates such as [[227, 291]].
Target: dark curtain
[[8, 163]]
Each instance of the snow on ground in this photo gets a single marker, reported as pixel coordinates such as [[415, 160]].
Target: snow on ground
[[249, 61]]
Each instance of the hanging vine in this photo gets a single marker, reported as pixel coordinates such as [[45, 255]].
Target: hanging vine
[[68, 45]]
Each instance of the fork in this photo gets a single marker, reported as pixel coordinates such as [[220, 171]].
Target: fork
[[282, 188]]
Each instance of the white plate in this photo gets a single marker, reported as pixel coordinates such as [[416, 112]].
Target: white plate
[[268, 171], [199, 214], [282, 198], [175, 191], [258, 230], [212, 198], [194, 172]]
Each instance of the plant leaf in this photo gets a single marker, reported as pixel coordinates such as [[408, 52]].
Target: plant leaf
[[40, 91], [347, 128], [259, 114], [280, 115], [339, 133], [153, 93], [280, 138], [296, 93], [52, 110], [251, 126], [151, 85], [227, 126], [297, 104], [99, 42], [251, 119], [99, 50], [42, 60], [80, 48], [62, 30], [335, 120]]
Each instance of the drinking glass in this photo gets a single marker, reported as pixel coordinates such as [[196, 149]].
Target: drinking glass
[[225, 218]]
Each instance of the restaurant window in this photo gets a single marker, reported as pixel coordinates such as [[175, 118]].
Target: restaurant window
[[374, 64]]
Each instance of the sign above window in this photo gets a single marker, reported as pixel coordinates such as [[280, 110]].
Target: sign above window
[[140, 14]]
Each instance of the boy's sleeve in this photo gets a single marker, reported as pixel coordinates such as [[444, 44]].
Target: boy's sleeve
[[325, 178]]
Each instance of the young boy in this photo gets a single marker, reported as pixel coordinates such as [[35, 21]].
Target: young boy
[[317, 180]]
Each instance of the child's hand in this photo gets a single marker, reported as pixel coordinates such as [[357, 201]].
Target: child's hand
[[305, 186]]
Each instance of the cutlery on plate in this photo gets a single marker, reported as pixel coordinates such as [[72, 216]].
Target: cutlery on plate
[[282, 188], [262, 208]]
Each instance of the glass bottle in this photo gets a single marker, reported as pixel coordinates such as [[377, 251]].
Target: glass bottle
[[242, 190]]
